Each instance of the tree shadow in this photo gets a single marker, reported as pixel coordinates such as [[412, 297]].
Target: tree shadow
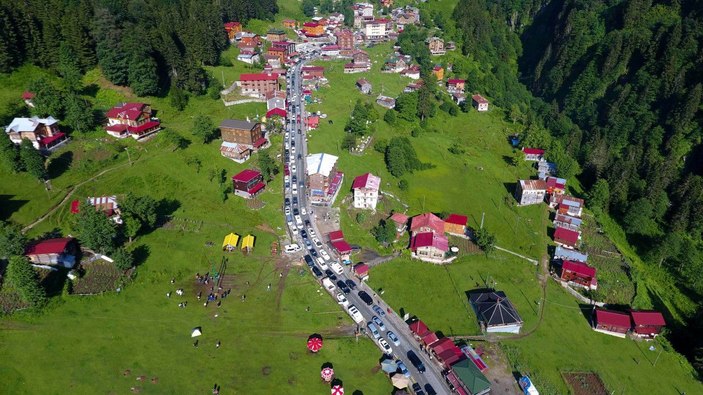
[[508, 160], [90, 90], [8, 205], [60, 164], [510, 188], [140, 254], [53, 281], [164, 208]]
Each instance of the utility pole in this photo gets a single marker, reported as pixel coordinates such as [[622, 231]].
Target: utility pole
[[223, 78], [483, 216]]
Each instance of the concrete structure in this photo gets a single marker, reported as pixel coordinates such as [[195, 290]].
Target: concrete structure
[[323, 179], [429, 245], [495, 312], [479, 102], [366, 189], [248, 183], [530, 192], [259, 84], [375, 30]]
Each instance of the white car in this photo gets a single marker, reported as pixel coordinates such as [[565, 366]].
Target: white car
[[295, 189], [287, 210], [294, 230], [292, 167], [305, 212], [291, 248], [287, 134], [385, 346], [311, 231], [337, 268], [355, 314], [286, 178], [324, 254], [341, 299], [323, 265], [317, 242]]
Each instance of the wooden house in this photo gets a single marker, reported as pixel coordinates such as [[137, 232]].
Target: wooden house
[[647, 323], [248, 183], [53, 252], [611, 322], [44, 133], [479, 102], [455, 224], [131, 119], [579, 274], [427, 222], [530, 192], [429, 246]]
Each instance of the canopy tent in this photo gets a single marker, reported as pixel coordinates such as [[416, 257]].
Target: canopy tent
[[230, 242], [314, 343], [400, 381], [389, 365], [327, 374], [248, 243], [196, 332], [337, 390]]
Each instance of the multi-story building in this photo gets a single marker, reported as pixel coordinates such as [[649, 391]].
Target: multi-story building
[[131, 119], [375, 30], [240, 139], [42, 132], [530, 192], [345, 40], [366, 189], [259, 84], [323, 178]]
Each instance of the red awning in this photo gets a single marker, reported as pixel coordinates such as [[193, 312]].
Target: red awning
[[143, 128], [260, 142], [256, 188], [117, 128], [341, 246], [48, 140]]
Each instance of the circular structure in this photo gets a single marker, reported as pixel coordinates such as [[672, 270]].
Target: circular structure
[[327, 374], [337, 390], [315, 343]]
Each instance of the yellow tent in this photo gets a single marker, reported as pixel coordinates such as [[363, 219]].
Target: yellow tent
[[248, 243], [230, 242]]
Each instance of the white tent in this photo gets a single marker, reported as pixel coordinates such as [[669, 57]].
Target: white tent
[[196, 332]]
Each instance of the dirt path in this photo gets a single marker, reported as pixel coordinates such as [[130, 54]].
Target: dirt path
[[283, 274]]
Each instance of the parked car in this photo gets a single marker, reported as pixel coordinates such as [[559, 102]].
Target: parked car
[[415, 360], [374, 332], [403, 369], [291, 248], [322, 252], [366, 298], [378, 310], [313, 252], [385, 346], [351, 284], [309, 261], [430, 390], [417, 389], [318, 244], [316, 272], [331, 275], [393, 338]]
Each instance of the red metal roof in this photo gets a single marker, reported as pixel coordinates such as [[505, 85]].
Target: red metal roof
[[256, 188], [457, 219], [430, 338], [246, 175], [143, 127], [50, 246], [647, 318], [428, 219], [118, 127], [130, 111], [75, 205], [429, 239], [579, 268], [399, 218], [276, 111], [341, 246], [554, 182], [479, 99], [27, 95], [336, 235], [260, 142], [566, 235], [454, 81], [361, 269], [311, 24], [442, 345], [49, 140], [419, 328], [612, 318], [259, 77], [533, 151]]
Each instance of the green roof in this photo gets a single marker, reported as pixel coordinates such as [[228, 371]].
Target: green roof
[[469, 374], [276, 31]]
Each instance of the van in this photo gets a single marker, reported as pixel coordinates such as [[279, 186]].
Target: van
[[415, 360], [327, 283], [337, 268], [373, 330], [355, 314]]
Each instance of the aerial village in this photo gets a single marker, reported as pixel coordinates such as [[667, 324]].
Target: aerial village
[[425, 236]]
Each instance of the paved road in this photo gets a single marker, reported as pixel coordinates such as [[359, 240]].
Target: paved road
[[295, 144]]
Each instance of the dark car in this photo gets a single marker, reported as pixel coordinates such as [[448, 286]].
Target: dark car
[[430, 390], [415, 360], [316, 271], [351, 284], [295, 178], [302, 231], [417, 389], [309, 261], [331, 275], [307, 223], [343, 287], [287, 202], [296, 211], [300, 156], [366, 298], [295, 200], [313, 253]]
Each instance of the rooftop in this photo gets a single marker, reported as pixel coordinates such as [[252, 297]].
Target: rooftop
[[494, 308], [237, 124], [320, 164], [368, 181], [612, 318]]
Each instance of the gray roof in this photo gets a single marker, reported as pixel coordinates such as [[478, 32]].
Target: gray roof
[[237, 124], [494, 308]]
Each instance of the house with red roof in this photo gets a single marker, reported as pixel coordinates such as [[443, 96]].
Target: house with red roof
[[44, 133], [361, 270], [429, 339], [567, 221], [579, 273], [401, 223], [533, 154], [567, 238], [340, 245], [258, 84], [313, 29], [427, 222], [53, 252], [131, 119], [455, 85], [479, 102], [429, 246], [365, 188], [313, 72], [419, 329], [28, 98], [446, 352], [232, 28], [455, 224], [556, 185], [248, 183], [567, 205], [611, 322], [647, 323], [276, 112], [330, 50], [312, 121]]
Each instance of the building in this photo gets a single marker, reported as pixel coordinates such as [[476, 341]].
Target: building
[[275, 99], [232, 28], [276, 35], [567, 238], [455, 85], [568, 222], [436, 46], [278, 51], [312, 122], [366, 189], [340, 245], [459, 97], [375, 30], [248, 183], [571, 255], [289, 47], [28, 98], [249, 56], [313, 29], [385, 102], [579, 273], [240, 139], [290, 23], [438, 72], [479, 102], [469, 378], [533, 154], [611, 322], [567, 205], [106, 204], [455, 224], [259, 84], [364, 86], [330, 50], [276, 112], [401, 223], [345, 40], [647, 323], [413, 86], [351, 68], [530, 192], [427, 222], [248, 39], [429, 245], [412, 72], [323, 179], [361, 270], [313, 72], [131, 119], [53, 252], [419, 329], [496, 314], [44, 133], [556, 185], [546, 169], [446, 352]]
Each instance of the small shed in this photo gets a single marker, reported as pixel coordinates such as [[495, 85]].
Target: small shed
[[647, 323], [480, 103], [361, 270], [566, 238], [230, 242], [611, 322], [456, 224], [364, 86], [248, 243]]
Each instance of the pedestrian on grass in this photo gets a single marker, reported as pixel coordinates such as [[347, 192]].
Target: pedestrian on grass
[[168, 294], [195, 344], [268, 288], [217, 345], [173, 281]]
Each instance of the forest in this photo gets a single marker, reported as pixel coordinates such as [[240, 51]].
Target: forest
[[151, 55], [618, 85]]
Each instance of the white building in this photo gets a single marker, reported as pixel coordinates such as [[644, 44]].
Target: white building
[[323, 179], [366, 188], [530, 192], [375, 29]]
